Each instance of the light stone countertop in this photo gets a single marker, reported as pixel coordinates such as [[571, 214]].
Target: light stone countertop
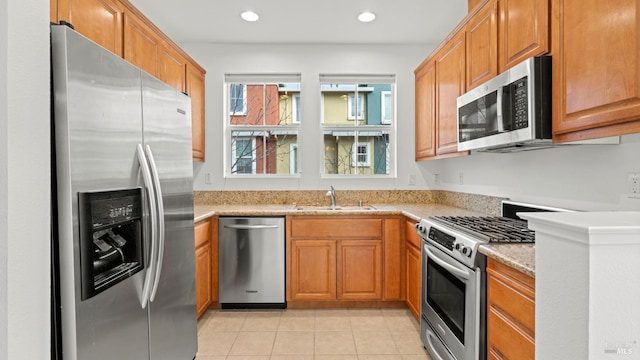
[[518, 256]]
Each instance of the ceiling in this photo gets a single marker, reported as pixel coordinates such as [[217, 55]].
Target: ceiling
[[304, 21]]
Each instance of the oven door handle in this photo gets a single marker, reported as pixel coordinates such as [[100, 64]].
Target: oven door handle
[[432, 349], [452, 269]]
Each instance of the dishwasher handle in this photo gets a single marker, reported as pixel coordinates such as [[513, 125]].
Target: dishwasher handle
[[251, 227]]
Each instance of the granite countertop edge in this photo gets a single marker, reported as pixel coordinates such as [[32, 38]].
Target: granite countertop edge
[[518, 256]]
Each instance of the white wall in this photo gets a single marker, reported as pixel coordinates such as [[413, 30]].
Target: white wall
[[24, 180], [582, 177], [310, 61]]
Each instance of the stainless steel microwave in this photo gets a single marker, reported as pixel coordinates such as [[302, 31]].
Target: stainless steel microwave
[[510, 111]]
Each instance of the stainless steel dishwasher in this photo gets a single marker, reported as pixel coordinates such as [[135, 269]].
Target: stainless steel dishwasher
[[251, 258]]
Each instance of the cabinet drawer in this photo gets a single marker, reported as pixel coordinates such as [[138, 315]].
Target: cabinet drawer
[[202, 232], [505, 341], [511, 304], [326, 228], [411, 234]]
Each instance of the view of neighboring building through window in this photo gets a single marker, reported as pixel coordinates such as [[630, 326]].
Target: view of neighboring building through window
[[358, 124], [262, 125]]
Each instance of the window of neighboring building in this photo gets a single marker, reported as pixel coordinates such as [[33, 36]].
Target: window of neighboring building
[[262, 125], [387, 107], [355, 107], [237, 99], [296, 108], [361, 154], [293, 158], [358, 126]]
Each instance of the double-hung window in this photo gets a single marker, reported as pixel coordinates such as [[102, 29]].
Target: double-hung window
[[262, 124], [358, 124]]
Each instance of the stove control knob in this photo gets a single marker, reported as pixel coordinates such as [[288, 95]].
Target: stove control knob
[[466, 251], [458, 246]]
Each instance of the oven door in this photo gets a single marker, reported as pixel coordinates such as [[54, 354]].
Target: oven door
[[451, 306]]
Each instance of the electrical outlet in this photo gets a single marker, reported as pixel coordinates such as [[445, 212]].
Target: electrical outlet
[[208, 178], [412, 179], [634, 183], [436, 179], [461, 177]]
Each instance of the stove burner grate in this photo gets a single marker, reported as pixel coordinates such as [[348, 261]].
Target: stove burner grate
[[493, 229]]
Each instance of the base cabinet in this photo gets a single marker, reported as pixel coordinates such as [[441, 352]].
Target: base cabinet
[[313, 270], [359, 269], [413, 267], [344, 258], [204, 289], [510, 313]]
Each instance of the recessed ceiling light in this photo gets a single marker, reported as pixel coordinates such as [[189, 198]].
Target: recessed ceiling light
[[249, 16], [367, 16]]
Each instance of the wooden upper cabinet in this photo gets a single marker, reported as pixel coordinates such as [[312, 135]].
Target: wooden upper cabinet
[[482, 45], [98, 20], [172, 68], [195, 89], [450, 83], [472, 4], [524, 30], [596, 69], [141, 44], [53, 11], [425, 126]]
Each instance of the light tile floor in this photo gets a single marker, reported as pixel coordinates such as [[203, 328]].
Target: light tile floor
[[332, 334]]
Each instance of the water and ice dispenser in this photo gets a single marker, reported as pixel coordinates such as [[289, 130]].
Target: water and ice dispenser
[[111, 246]]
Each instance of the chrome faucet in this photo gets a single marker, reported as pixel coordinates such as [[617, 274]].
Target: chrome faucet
[[332, 193]]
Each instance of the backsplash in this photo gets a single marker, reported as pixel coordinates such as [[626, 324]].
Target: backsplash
[[479, 203]]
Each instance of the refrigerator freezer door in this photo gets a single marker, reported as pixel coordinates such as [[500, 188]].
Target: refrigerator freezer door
[[98, 124], [167, 133]]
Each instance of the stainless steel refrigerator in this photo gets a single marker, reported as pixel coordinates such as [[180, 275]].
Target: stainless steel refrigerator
[[123, 208]]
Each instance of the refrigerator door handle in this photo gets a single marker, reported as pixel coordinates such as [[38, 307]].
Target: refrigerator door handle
[[161, 228], [146, 176]]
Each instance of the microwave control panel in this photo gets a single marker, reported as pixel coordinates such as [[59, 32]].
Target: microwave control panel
[[520, 106]]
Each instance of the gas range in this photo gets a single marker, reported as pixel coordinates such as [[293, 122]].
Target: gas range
[[460, 236]]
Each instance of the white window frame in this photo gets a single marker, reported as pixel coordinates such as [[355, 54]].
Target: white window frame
[[348, 83], [352, 108], [253, 155], [355, 157], [263, 130], [383, 107], [295, 108], [244, 101]]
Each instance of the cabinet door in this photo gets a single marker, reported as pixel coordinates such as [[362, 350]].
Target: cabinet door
[[450, 83], [202, 232], [195, 89], [393, 260], [524, 30], [141, 44], [99, 20], [510, 313], [53, 11], [596, 69], [172, 67], [360, 270], [413, 280], [313, 270], [482, 45], [425, 127]]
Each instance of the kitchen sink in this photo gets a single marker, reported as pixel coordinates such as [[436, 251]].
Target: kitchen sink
[[335, 208]]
